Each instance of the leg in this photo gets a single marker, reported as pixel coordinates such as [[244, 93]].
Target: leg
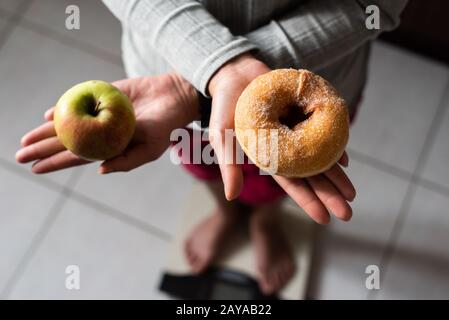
[[206, 239], [274, 260]]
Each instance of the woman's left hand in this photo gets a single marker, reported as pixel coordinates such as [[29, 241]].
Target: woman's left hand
[[318, 195]]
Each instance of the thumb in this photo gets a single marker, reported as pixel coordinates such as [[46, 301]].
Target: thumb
[[49, 114], [127, 161]]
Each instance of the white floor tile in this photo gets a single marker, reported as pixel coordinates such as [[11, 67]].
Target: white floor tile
[[23, 207], [10, 5], [155, 193], [38, 71], [344, 249], [2, 23], [116, 261], [419, 268], [436, 168], [400, 101], [98, 26]]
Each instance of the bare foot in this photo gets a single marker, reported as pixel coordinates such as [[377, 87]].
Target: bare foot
[[274, 260], [206, 239]]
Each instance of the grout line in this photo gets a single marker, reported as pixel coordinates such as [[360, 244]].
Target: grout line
[[380, 165], [20, 171], [90, 202], [437, 122], [39, 237], [404, 210], [117, 214], [399, 173], [12, 20], [71, 41], [433, 186], [390, 247]]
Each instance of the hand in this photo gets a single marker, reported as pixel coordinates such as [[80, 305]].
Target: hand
[[162, 104], [317, 195]]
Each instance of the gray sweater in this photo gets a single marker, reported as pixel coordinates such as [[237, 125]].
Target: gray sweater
[[196, 38]]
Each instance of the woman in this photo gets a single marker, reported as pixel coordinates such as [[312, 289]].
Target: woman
[[213, 49]]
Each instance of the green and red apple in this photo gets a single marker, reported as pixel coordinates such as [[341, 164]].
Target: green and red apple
[[94, 120]]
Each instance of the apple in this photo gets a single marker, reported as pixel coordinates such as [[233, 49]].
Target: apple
[[94, 120]]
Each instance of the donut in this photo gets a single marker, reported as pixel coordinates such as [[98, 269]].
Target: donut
[[310, 121]]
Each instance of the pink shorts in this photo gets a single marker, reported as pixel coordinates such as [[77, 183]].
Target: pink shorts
[[257, 188]]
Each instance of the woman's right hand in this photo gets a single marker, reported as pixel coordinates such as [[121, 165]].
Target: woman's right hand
[[161, 103]]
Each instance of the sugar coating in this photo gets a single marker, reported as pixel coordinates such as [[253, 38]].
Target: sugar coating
[[311, 146]]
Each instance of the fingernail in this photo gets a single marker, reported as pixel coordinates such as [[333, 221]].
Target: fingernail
[[23, 141], [103, 170], [18, 155], [324, 221], [228, 195]]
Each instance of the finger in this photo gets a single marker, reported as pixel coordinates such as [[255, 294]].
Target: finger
[[341, 181], [130, 159], [224, 143], [39, 150], [49, 114], [344, 160], [121, 84], [42, 132], [303, 195], [231, 172], [330, 197], [61, 160], [232, 180]]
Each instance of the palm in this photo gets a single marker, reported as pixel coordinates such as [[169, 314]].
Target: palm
[[153, 105]]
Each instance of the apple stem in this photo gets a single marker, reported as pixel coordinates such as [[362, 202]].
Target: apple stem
[[97, 106]]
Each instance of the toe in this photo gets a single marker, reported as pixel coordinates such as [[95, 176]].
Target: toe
[[188, 252], [284, 278], [277, 284], [288, 269], [202, 261], [201, 264], [271, 283], [264, 283]]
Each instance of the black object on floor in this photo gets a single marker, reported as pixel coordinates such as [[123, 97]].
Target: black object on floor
[[213, 284]]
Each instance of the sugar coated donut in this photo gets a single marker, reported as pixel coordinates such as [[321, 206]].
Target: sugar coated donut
[[310, 119]]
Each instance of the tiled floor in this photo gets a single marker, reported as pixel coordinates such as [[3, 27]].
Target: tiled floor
[[343, 250], [116, 260], [403, 94], [117, 228], [3, 23], [420, 261], [11, 6]]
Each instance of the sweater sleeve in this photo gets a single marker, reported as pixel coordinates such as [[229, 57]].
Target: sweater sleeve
[[319, 32], [193, 42], [312, 35]]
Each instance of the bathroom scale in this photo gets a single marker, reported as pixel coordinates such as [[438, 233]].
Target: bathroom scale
[[233, 276]]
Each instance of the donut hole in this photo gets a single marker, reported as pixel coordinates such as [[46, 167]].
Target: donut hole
[[293, 115]]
